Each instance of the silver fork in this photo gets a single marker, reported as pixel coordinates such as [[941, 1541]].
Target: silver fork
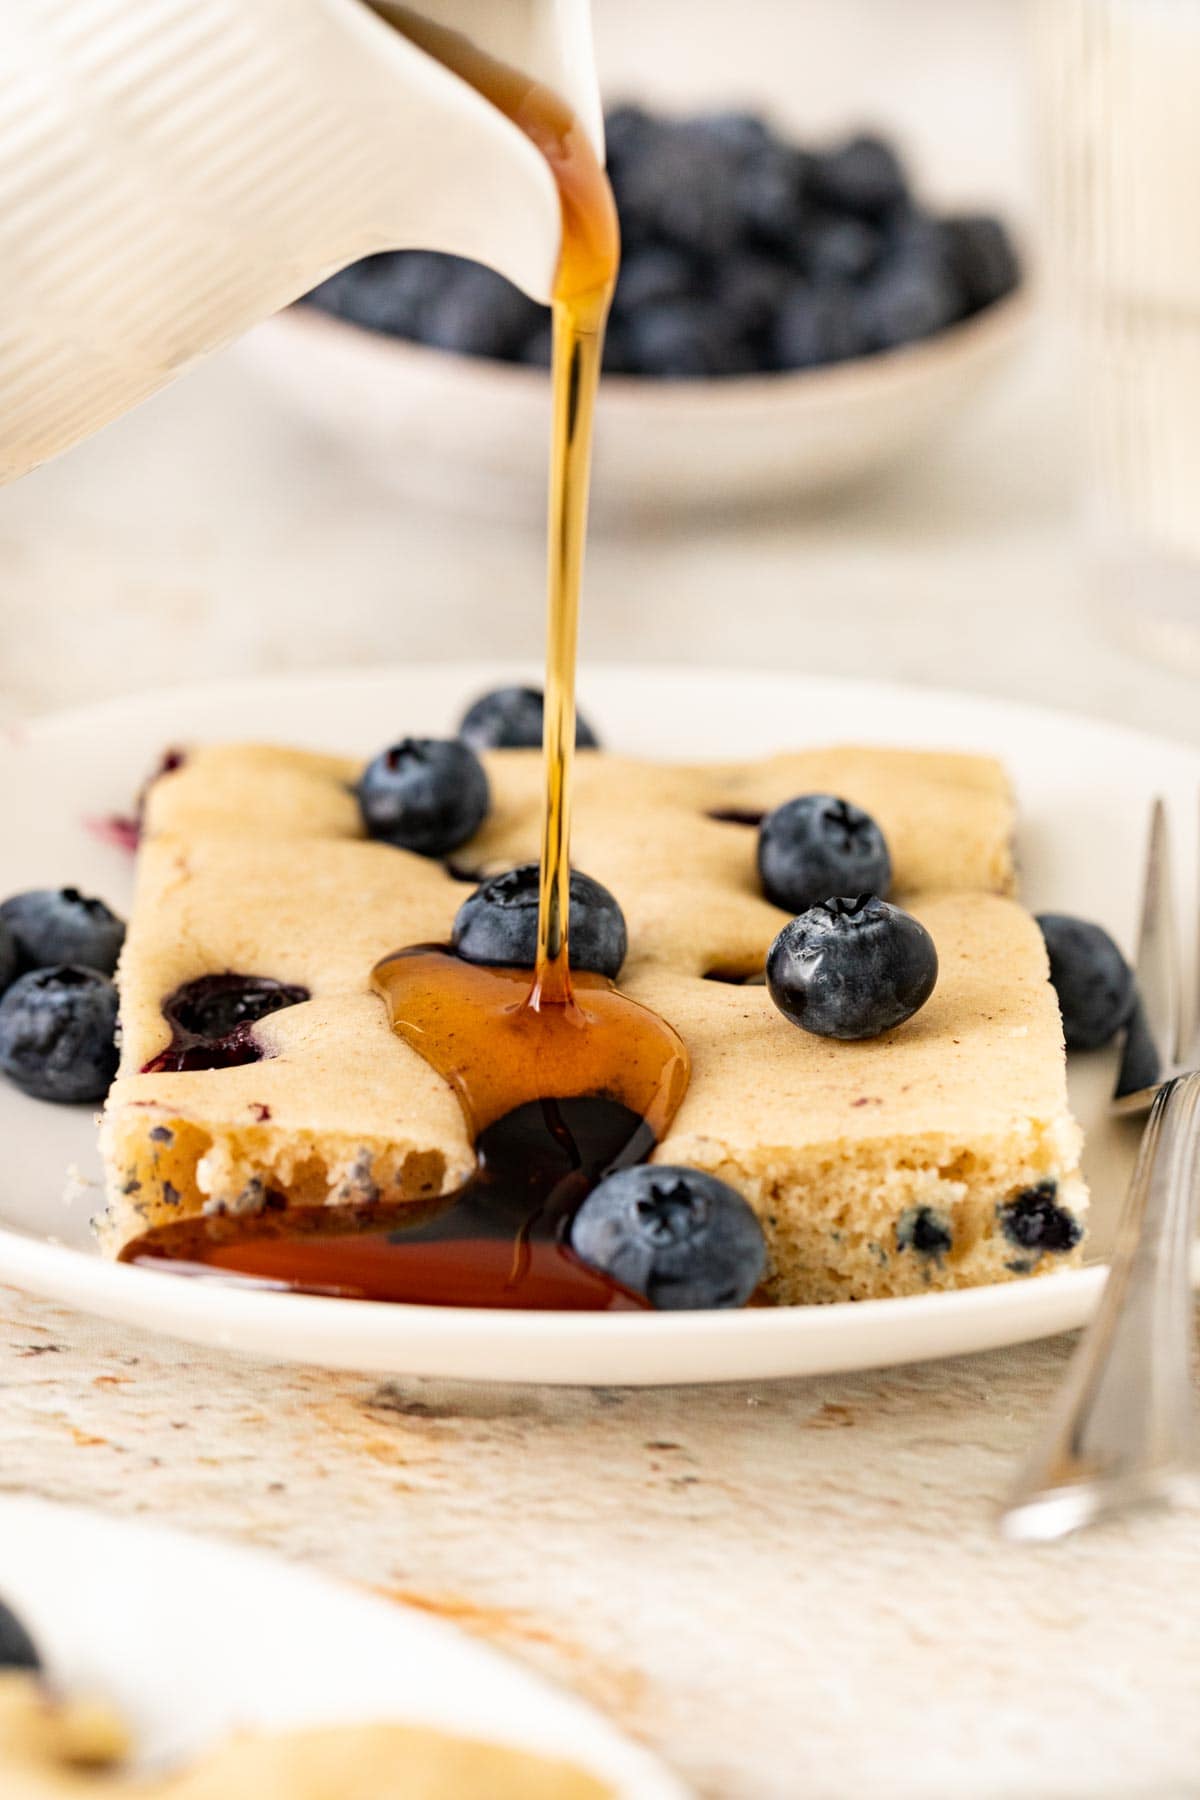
[[1121, 1433]]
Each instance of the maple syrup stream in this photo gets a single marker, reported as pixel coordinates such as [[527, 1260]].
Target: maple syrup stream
[[561, 1078]]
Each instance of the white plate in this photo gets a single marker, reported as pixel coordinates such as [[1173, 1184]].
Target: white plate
[[1084, 790], [474, 432], [191, 1639]]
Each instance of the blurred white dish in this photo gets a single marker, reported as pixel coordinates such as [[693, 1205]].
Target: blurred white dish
[[191, 1639], [1084, 789], [472, 431]]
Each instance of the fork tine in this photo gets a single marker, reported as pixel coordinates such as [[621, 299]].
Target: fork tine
[[1152, 1043]]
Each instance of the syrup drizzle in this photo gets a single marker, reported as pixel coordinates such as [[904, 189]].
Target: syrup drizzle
[[561, 1077]]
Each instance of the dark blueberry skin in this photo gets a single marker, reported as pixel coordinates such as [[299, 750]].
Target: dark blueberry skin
[[214, 1005], [60, 925], [1095, 985], [1035, 1221], [212, 1020], [510, 718], [10, 958], [17, 1648], [852, 968], [983, 259], [924, 1230], [497, 924], [815, 326], [817, 846], [57, 1033], [680, 1238], [679, 339], [479, 313], [862, 176], [424, 794]]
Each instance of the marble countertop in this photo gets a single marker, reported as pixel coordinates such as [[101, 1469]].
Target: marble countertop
[[791, 1589]]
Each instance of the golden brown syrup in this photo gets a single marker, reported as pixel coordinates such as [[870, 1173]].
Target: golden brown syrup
[[560, 1076]]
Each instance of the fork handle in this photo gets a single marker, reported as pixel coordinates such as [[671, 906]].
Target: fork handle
[[1122, 1432]]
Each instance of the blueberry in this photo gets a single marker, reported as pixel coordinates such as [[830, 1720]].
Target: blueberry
[[982, 256], [1094, 983], [852, 968], [479, 313], [862, 176], [10, 956], [925, 1230], [1035, 1221], [749, 290], [837, 248], [816, 326], [212, 1020], [771, 185], [498, 923], [212, 1006], [651, 273], [396, 292], [910, 299], [510, 718], [17, 1648], [742, 133], [424, 794], [57, 925], [680, 189], [681, 1238], [537, 350], [817, 846], [677, 339], [57, 1033]]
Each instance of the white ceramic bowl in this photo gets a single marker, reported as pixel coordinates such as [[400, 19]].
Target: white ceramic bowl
[[427, 423]]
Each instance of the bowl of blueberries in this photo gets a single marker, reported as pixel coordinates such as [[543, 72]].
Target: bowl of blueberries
[[787, 318]]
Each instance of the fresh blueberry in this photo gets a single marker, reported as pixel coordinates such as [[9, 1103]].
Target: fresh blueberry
[[538, 348], [982, 256], [498, 923], [741, 133], [852, 968], [838, 248], [651, 273], [510, 718], [816, 326], [479, 313], [17, 1648], [59, 925], [861, 176], [1035, 1221], [396, 291], [1095, 985], [771, 188], [817, 846], [424, 794], [682, 190], [10, 956], [749, 290], [679, 339], [908, 299], [680, 1238], [57, 1033]]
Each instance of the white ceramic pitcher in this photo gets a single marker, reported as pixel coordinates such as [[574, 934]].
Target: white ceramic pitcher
[[172, 171]]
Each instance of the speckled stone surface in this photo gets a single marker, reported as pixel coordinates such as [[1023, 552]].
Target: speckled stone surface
[[786, 1590]]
